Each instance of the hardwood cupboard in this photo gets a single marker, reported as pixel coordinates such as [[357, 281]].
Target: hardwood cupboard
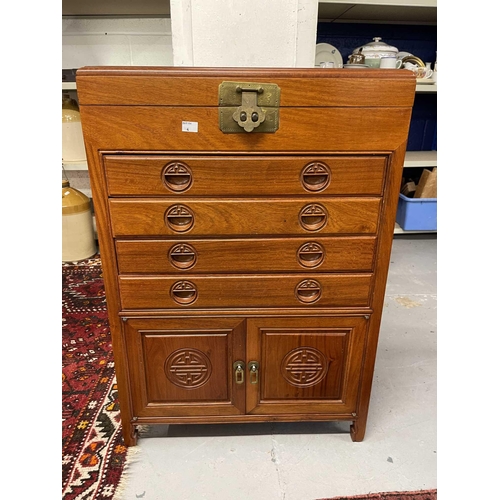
[[245, 271]]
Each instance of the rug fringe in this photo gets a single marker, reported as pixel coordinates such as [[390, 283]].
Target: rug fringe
[[133, 453]]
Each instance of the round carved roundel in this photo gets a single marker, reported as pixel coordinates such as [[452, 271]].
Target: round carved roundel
[[188, 368], [304, 367]]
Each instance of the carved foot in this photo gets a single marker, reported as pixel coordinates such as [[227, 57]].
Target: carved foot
[[358, 431], [130, 434]]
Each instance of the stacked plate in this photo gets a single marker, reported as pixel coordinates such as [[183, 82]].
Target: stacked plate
[[356, 66], [326, 53]]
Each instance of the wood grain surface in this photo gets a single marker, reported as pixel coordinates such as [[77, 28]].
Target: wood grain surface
[[217, 217], [221, 248], [141, 175], [256, 255]]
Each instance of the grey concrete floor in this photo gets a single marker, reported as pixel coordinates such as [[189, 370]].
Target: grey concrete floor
[[309, 461]]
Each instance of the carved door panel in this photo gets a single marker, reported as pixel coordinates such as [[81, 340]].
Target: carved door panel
[[184, 367], [305, 365]]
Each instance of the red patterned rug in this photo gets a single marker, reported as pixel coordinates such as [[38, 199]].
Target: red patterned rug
[[395, 495], [93, 454]]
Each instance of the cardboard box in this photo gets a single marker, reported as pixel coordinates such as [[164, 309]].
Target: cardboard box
[[427, 185]]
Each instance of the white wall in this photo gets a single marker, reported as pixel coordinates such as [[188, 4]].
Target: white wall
[[111, 41], [243, 33], [116, 42], [238, 33]]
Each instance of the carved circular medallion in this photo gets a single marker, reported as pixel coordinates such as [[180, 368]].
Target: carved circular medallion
[[311, 254], [308, 291], [182, 256], [304, 367], [179, 218], [315, 176], [313, 217], [184, 292], [188, 368], [177, 176]]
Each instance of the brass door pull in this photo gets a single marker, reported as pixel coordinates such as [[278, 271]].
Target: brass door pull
[[253, 367], [239, 372]]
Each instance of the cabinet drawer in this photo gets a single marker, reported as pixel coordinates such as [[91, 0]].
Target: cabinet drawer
[[325, 290], [134, 175], [246, 255], [143, 217]]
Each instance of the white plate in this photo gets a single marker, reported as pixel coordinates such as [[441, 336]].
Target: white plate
[[428, 81], [400, 55], [354, 66], [328, 53]]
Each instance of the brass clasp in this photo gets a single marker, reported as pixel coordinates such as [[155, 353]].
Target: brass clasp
[[248, 107]]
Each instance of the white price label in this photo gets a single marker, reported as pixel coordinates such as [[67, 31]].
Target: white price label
[[190, 126]]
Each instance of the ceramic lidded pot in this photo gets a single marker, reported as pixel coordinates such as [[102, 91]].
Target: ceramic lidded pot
[[375, 51]]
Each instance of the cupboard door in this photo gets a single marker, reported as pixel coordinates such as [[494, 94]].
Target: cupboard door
[[184, 367], [305, 365]]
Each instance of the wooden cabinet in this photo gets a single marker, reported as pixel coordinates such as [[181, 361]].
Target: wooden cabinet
[[198, 367], [244, 272]]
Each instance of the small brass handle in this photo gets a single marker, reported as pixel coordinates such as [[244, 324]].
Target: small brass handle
[[177, 176], [313, 217], [182, 256], [239, 372], [253, 367], [179, 218]]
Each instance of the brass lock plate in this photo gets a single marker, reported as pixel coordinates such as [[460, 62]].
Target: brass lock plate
[[248, 107]]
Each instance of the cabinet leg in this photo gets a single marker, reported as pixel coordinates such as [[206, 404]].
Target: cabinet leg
[[129, 434], [358, 428]]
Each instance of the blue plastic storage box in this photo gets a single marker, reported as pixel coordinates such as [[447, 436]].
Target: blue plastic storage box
[[417, 214]]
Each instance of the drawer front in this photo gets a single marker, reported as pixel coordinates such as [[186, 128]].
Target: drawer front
[[131, 175], [325, 290], [146, 217], [246, 255]]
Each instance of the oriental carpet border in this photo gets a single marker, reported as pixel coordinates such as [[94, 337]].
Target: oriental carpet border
[[94, 457]]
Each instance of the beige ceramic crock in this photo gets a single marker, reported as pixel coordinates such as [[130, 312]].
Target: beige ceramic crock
[[73, 147], [78, 241]]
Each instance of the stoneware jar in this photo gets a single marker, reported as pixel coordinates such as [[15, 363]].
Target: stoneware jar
[[78, 241], [73, 148]]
